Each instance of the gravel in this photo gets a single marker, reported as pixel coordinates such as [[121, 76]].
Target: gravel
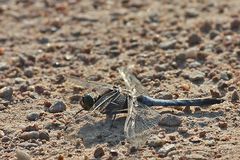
[[42, 135], [235, 25], [206, 27], [33, 116], [22, 155], [155, 141], [4, 66], [6, 93], [1, 134], [194, 39], [99, 152], [191, 13], [168, 45], [174, 49], [5, 139], [194, 76], [28, 145], [166, 149], [56, 107], [235, 96], [170, 120]]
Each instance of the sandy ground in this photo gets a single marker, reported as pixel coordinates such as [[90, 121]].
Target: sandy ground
[[177, 49]]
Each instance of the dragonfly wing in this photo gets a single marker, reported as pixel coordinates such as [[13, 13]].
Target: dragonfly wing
[[75, 81], [140, 122], [132, 82]]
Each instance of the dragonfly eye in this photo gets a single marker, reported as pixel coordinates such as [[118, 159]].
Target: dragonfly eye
[[88, 101]]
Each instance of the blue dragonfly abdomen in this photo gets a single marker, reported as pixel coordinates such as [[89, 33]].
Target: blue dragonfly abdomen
[[149, 101]]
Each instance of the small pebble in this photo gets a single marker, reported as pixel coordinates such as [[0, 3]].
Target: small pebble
[[161, 67], [165, 95], [180, 58], [1, 134], [166, 149], [114, 153], [114, 53], [185, 87], [150, 46], [170, 120], [192, 52], [3, 107], [235, 25], [225, 76], [187, 110], [57, 107], [57, 64], [213, 34], [206, 27], [132, 150], [59, 79], [39, 89], [29, 135], [195, 156], [5, 139], [44, 135], [99, 152], [60, 157], [182, 130], [195, 139], [29, 128], [222, 85], [168, 45], [215, 93], [4, 66], [23, 88], [52, 125], [191, 13], [19, 80], [22, 155], [195, 76], [172, 137], [28, 73], [222, 125], [155, 141], [210, 143], [43, 40], [202, 134], [232, 88], [28, 145], [75, 99], [33, 116], [194, 64], [235, 96], [194, 39], [197, 110], [6, 93]]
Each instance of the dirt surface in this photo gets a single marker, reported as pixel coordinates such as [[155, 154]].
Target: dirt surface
[[177, 49]]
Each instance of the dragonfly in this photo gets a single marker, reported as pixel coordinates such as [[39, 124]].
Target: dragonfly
[[136, 102]]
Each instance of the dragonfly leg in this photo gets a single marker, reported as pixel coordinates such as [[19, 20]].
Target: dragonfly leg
[[112, 116], [113, 120]]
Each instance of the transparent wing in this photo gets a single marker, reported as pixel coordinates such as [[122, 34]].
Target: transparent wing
[[90, 85], [132, 82], [140, 122]]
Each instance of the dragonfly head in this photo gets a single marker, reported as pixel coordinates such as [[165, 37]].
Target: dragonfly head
[[87, 102]]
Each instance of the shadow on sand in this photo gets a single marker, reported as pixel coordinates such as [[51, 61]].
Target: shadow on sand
[[101, 131]]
